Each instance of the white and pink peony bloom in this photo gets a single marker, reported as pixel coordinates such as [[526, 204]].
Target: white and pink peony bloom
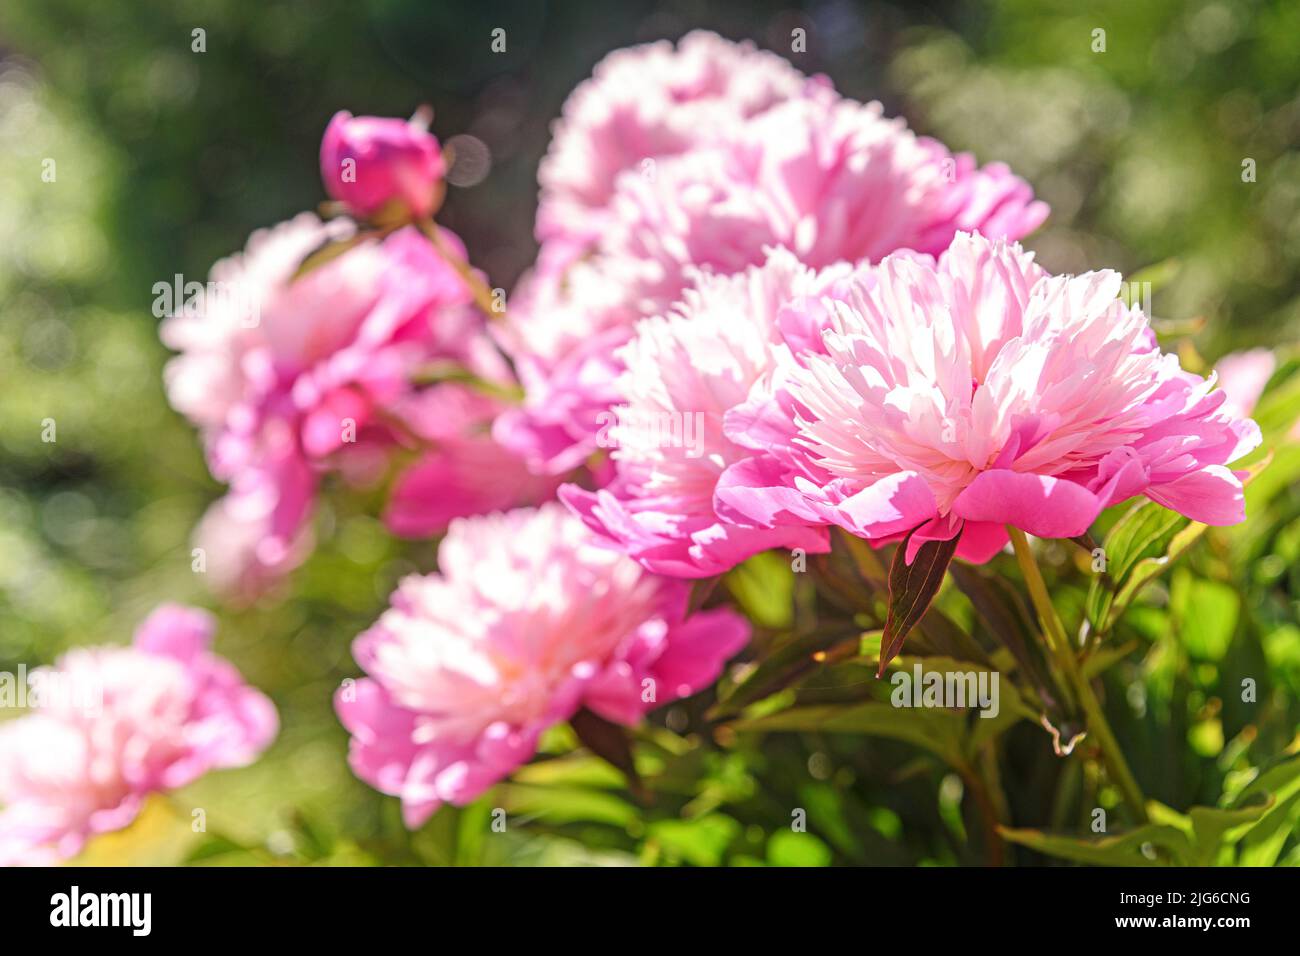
[[139, 720], [684, 374], [963, 396], [291, 377], [830, 179], [645, 102], [527, 621]]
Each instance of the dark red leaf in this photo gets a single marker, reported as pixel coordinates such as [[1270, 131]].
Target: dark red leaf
[[608, 741], [911, 589]]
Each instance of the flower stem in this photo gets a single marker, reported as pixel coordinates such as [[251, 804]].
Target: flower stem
[[483, 296], [1059, 644]]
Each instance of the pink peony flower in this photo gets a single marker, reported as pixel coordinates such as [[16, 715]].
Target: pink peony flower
[[829, 179], [684, 374], [645, 102], [368, 162], [290, 378], [962, 396], [527, 621], [165, 712]]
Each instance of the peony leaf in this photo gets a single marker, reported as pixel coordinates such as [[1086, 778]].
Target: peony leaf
[[701, 591], [1262, 840], [1144, 532], [608, 741], [702, 841], [911, 589], [1257, 821], [763, 586], [1205, 613], [554, 806], [788, 848], [329, 250], [780, 668], [1212, 827], [936, 729], [1139, 548], [1139, 847], [1004, 613]]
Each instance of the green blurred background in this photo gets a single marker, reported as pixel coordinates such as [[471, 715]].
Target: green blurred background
[[167, 158]]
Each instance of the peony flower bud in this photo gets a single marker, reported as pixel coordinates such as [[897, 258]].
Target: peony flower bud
[[368, 162]]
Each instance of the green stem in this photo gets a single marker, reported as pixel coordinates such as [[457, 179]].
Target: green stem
[[483, 296], [1058, 643]]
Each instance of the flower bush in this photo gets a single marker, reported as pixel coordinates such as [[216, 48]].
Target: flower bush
[[785, 432]]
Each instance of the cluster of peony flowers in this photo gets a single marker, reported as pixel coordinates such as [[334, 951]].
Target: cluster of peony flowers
[[299, 370], [940, 399], [759, 311], [133, 721], [669, 162]]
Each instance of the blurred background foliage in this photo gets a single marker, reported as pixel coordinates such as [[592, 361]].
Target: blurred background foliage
[[167, 158]]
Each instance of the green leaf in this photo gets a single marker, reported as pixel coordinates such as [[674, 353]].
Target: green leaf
[[329, 250], [1206, 612], [780, 668], [1262, 841], [314, 840], [764, 588], [572, 770], [1213, 827], [788, 848], [1106, 657], [1158, 275], [864, 558], [831, 810], [1145, 531], [702, 841], [214, 846], [911, 589], [558, 805], [1148, 569], [1004, 613], [472, 829], [937, 730], [1259, 818], [608, 741], [1140, 547], [1125, 849], [979, 729]]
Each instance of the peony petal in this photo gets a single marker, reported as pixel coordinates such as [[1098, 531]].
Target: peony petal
[[1037, 504], [1213, 495], [891, 505], [981, 540]]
